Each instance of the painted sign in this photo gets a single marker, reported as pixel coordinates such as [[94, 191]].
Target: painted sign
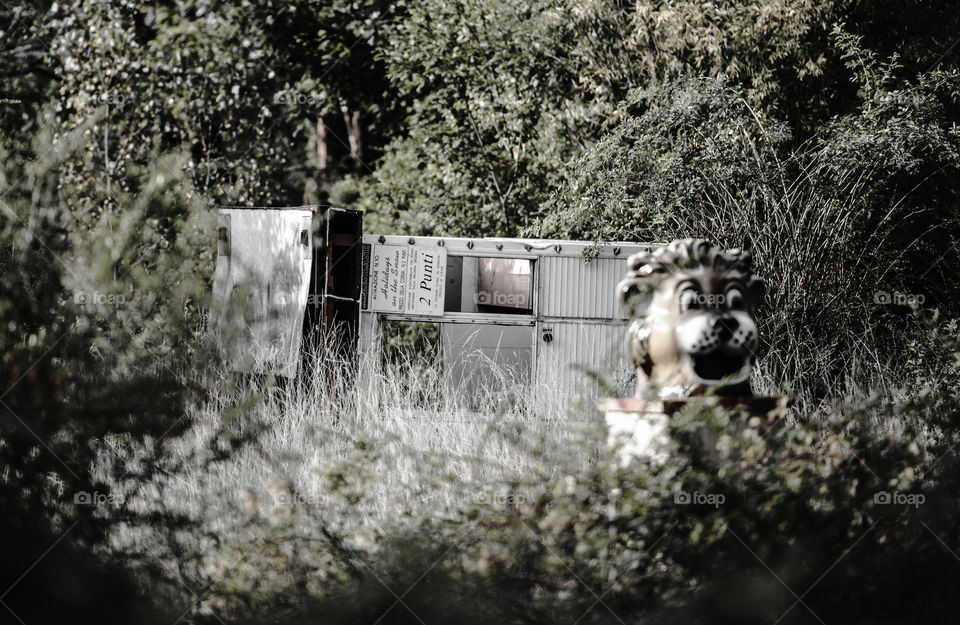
[[407, 279]]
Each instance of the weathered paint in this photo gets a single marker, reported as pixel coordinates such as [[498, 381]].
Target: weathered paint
[[579, 355], [580, 289], [260, 287], [574, 324]]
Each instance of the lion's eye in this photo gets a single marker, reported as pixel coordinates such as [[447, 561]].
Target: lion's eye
[[688, 299], [735, 299]]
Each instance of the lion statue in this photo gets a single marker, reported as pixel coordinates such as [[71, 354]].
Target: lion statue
[[692, 330]]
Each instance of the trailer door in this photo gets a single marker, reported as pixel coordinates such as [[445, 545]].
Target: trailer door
[[260, 288]]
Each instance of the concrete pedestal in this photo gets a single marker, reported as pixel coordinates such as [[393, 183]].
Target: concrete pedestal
[[640, 428]]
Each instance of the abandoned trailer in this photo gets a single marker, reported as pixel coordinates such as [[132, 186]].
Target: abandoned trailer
[[540, 313]]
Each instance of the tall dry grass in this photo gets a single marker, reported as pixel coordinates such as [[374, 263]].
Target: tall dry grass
[[826, 260], [297, 474]]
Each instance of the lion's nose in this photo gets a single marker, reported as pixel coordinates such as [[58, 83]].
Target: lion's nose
[[725, 326]]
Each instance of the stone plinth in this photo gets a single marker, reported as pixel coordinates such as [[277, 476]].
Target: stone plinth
[[640, 428]]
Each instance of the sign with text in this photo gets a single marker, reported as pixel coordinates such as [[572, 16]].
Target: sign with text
[[407, 279]]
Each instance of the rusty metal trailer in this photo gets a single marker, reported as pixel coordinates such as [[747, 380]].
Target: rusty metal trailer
[[543, 311]]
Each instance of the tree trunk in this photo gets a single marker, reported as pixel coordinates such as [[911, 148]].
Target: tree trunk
[[322, 150], [352, 122]]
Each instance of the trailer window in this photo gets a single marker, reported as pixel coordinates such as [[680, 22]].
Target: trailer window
[[489, 285]]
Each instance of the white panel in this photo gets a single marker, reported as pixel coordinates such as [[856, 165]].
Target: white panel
[[565, 363], [407, 279], [481, 360], [260, 289], [576, 288]]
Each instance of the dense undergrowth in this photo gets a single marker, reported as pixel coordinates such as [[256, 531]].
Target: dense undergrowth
[[851, 517], [356, 503]]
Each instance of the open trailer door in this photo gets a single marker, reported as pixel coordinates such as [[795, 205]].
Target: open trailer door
[[333, 302], [260, 287]]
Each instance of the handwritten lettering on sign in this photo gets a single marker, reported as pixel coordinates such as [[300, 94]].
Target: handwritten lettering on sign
[[407, 279]]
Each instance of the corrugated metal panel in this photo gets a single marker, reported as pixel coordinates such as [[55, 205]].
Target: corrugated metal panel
[[575, 288], [565, 363]]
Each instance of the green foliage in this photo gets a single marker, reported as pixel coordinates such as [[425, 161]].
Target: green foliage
[[488, 111], [332, 46], [101, 308], [24, 77], [787, 503], [503, 94], [832, 152], [933, 367], [238, 86], [839, 226], [733, 533], [404, 342], [193, 76], [677, 147]]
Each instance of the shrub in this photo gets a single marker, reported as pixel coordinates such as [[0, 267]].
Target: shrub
[[837, 521], [841, 227]]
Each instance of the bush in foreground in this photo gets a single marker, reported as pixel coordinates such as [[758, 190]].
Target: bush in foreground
[[844, 521]]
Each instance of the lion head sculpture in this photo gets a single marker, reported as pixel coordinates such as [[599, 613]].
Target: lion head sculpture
[[692, 330]]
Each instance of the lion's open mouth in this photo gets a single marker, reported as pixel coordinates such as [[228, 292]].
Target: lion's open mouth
[[718, 365]]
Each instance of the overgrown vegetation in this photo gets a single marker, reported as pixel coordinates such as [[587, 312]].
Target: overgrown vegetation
[[859, 216], [141, 484]]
